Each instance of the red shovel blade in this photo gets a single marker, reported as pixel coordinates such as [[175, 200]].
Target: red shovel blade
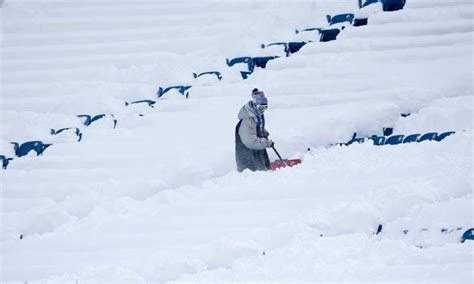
[[284, 163]]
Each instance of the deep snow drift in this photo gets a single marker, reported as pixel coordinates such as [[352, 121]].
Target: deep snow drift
[[158, 199]]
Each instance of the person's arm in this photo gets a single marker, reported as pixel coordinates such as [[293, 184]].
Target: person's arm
[[248, 134]]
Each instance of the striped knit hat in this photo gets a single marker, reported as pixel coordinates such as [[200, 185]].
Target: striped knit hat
[[259, 97]]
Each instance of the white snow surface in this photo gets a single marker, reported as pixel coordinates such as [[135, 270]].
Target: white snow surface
[[158, 199]]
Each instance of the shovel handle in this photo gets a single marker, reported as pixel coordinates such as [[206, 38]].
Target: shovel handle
[[276, 152]]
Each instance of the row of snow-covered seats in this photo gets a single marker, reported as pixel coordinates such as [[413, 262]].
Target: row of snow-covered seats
[[24, 148], [325, 35], [399, 139], [467, 235], [260, 61]]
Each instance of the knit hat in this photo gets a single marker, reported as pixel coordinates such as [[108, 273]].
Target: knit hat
[[259, 97]]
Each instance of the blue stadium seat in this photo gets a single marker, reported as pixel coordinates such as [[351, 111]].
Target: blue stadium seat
[[392, 5], [363, 3], [428, 137], [150, 103], [181, 89], [77, 131], [25, 148], [308, 30], [97, 117], [387, 131], [296, 46], [468, 235], [217, 73], [288, 47], [284, 44], [263, 60], [246, 59], [354, 139], [360, 22], [378, 140], [394, 140], [341, 18], [411, 138], [87, 119], [444, 135], [245, 74], [115, 120], [328, 35], [379, 229], [5, 161]]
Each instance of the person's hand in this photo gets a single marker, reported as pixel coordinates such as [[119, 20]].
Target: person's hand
[[271, 143], [266, 133]]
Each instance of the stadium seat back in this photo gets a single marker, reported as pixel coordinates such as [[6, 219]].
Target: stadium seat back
[[394, 140]]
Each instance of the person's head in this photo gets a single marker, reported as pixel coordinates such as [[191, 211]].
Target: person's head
[[260, 102]]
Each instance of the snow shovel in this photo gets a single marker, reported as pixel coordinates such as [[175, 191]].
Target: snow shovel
[[283, 163]]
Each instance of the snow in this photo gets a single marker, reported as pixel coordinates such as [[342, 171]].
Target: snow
[[158, 199]]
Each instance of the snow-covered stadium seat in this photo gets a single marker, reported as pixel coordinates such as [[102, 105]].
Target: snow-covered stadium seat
[[378, 140], [5, 161], [150, 103], [77, 131], [392, 5], [244, 59], [444, 135], [394, 140], [251, 63], [468, 235], [354, 139], [387, 131], [263, 60], [245, 74], [341, 18], [217, 73], [308, 30], [360, 22], [288, 47], [428, 137], [388, 5], [328, 34], [363, 3], [89, 119], [296, 46], [24, 148], [181, 89], [411, 138]]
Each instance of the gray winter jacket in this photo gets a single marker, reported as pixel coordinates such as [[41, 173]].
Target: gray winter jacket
[[248, 129]]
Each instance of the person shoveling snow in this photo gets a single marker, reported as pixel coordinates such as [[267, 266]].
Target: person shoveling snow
[[251, 137]]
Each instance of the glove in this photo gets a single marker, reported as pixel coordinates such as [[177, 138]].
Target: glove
[[271, 143]]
